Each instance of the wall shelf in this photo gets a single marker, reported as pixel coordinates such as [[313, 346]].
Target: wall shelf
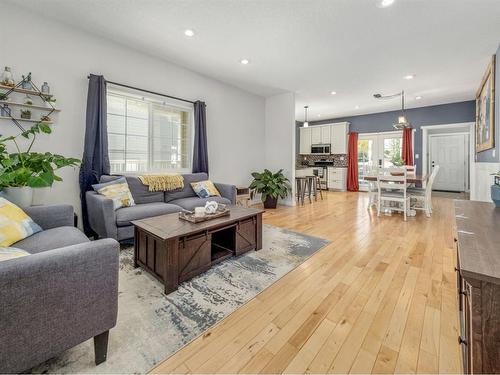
[[24, 91], [24, 119], [42, 108]]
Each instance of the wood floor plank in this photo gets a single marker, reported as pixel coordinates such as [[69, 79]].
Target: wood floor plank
[[380, 298]]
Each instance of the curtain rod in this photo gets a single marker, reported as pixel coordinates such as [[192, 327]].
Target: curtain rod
[[148, 91]]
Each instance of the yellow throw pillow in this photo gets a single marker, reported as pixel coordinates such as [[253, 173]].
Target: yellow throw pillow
[[7, 253], [15, 225], [116, 190], [205, 189]]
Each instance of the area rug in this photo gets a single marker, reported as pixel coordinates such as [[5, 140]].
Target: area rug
[[152, 326]]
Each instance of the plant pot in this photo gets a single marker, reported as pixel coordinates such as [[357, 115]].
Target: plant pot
[[21, 196], [270, 202], [40, 196], [495, 194], [26, 116]]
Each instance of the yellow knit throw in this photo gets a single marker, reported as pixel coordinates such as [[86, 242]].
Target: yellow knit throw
[[163, 182]]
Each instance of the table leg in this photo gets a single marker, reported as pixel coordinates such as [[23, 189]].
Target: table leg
[[171, 280], [258, 232]]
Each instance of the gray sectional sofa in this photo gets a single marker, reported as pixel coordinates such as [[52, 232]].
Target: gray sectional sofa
[[108, 223], [64, 293]]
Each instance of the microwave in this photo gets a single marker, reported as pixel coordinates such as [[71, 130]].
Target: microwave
[[321, 149]]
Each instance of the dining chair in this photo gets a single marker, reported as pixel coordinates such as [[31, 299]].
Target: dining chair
[[411, 169], [392, 185], [423, 196], [372, 186]]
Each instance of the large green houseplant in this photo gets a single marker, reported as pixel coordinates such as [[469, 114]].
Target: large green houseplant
[[271, 186], [23, 170]]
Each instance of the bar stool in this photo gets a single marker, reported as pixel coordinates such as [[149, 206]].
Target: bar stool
[[301, 183], [317, 187]]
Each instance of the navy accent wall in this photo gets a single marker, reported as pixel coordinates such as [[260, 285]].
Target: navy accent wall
[[433, 115], [487, 155]]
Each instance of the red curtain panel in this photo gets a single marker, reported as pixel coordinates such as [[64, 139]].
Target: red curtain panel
[[407, 146], [352, 168]]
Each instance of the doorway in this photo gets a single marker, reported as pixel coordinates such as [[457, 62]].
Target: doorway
[[378, 150], [450, 152]]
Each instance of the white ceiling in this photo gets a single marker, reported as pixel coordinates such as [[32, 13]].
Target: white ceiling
[[310, 47]]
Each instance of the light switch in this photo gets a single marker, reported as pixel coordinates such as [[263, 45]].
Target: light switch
[[493, 153], [417, 156]]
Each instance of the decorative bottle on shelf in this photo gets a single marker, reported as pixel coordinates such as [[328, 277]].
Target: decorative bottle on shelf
[[7, 77], [45, 88], [27, 82], [5, 111]]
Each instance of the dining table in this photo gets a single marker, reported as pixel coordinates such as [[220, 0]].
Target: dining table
[[416, 179]]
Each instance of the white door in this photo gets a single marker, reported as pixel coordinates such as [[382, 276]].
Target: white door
[[378, 150], [449, 152]]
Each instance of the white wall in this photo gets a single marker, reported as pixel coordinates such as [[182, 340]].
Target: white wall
[[481, 180], [64, 57], [280, 137]]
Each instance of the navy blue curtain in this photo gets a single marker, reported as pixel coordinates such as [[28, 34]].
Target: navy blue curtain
[[200, 149], [95, 160]]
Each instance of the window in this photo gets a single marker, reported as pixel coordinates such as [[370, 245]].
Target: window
[[147, 135]]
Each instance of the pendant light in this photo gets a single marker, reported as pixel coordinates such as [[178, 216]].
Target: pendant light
[[306, 123], [402, 122]]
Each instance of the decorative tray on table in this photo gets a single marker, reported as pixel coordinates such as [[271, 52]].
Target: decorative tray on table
[[222, 210]]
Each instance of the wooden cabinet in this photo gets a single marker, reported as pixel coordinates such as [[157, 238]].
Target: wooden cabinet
[[338, 138], [305, 141], [478, 284], [337, 178], [315, 135]]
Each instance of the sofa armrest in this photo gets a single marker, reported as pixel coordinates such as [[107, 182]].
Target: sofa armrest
[[101, 214], [53, 216], [227, 191], [54, 300]]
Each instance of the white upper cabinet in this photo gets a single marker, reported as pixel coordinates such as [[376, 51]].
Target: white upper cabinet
[[338, 137], [305, 141], [325, 134], [315, 135]]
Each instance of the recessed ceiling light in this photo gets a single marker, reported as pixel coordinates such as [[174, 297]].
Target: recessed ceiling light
[[244, 61], [385, 3], [357, 107], [333, 92], [189, 33], [409, 76], [418, 97], [319, 115]]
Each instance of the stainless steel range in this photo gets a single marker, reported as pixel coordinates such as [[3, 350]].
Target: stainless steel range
[[321, 170]]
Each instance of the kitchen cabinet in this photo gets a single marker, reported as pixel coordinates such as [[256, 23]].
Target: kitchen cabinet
[[305, 141], [337, 178], [315, 135], [325, 134], [338, 137]]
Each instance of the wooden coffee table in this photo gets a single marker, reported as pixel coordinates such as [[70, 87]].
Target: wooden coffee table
[[175, 250]]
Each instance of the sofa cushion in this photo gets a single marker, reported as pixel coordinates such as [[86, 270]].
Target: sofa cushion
[[116, 190], [15, 224], [8, 253], [139, 191], [141, 211], [52, 239], [187, 191], [192, 202]]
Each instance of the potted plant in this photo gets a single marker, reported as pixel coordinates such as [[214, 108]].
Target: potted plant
[[50, 101], [22, 171], [25, 114], [271, 186], [3, 96]]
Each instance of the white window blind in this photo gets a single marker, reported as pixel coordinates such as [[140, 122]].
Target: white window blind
[[147, 135]]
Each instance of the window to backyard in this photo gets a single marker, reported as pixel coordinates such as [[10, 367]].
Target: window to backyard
[[147, 135]]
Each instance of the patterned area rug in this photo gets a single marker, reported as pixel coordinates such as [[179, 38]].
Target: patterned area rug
[[152, 326]]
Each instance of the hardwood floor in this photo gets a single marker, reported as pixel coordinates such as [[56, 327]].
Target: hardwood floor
[[380, 298]]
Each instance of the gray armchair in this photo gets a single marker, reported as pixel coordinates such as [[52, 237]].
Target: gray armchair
[[64, 293]]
